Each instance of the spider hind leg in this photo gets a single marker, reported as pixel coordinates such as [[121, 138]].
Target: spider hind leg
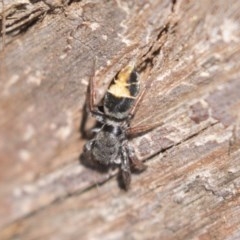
[[91, 95]]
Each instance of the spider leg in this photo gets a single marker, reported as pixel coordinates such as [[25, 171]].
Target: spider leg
[[141, 129], [91, 94], [136, 103], [86, 156], [90, 107], [125, 168], [139, 99], [136, 163]]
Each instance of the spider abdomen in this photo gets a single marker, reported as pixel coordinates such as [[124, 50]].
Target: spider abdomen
[[121, 94]]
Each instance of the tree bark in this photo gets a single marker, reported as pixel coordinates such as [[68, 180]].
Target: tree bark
[[189, 50]]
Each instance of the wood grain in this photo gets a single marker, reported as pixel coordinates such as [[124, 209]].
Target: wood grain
[[190, 50]]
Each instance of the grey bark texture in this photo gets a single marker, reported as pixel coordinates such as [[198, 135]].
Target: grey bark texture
[[190, 50]]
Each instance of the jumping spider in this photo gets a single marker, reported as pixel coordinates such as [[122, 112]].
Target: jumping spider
[[110, 143]]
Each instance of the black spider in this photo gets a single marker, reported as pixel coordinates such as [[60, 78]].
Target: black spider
[[110, 143]]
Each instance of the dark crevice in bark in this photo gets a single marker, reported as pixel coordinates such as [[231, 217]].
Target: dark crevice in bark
[[153, 51]]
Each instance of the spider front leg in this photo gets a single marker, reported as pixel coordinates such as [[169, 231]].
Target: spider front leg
[[125, 168], [129, 158], [136, 164]]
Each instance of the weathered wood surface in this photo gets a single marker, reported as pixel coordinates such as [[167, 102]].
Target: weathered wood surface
[[191, 51]]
